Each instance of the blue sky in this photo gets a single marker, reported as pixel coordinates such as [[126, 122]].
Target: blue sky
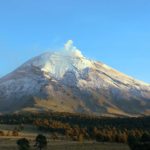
[[116, 32]]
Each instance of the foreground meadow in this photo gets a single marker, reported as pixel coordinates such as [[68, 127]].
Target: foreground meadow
[[8, 142]]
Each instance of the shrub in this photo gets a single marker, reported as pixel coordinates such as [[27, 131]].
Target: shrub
[[15, 133], [23, 144], [2, 133], [41, 142]]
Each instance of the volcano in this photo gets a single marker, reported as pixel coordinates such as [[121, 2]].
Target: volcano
[[66, 81]]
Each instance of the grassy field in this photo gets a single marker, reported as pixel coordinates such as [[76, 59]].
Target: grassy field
[[30, 132], [10, 144]]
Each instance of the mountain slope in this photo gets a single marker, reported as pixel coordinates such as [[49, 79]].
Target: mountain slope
[[67, 81]]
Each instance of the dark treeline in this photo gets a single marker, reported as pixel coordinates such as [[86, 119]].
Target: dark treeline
[[80, 120], [79, 127]]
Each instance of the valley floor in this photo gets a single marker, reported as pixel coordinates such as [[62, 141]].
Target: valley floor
[[8, 142]]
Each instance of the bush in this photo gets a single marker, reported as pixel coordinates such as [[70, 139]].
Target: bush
[[2, 133], [142, 143], [15, 133], [41, 142], [23, 144], [8, 133], [140, 146], [81, 138], [145, 137]]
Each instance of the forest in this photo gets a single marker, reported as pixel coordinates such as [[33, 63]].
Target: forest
[[135, 131]]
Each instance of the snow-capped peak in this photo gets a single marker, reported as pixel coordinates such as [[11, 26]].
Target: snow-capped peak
[[59, 62]]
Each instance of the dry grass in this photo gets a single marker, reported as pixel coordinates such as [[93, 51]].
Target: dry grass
[[30, 132], [10, 144]]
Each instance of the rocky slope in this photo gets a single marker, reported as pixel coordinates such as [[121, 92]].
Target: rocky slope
[[66, 81]]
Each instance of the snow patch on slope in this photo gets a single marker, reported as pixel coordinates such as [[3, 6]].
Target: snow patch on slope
[[57, 63]]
